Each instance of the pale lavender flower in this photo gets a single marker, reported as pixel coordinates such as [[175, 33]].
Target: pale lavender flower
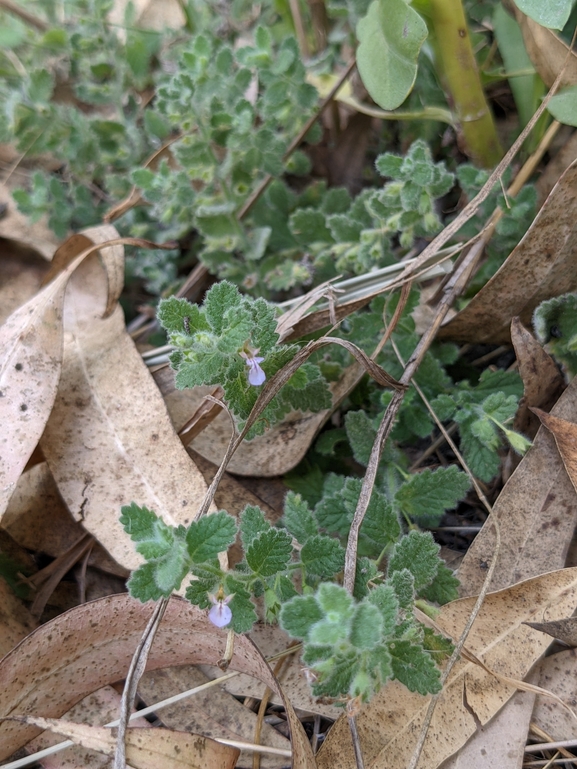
[[220, 614], [256, 375]]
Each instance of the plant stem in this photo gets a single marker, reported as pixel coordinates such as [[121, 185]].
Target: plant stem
[[459, 68]]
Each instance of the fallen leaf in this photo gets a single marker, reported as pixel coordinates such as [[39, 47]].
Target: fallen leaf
[[21, 272], [145, 748], [557, 674], [500, 743], [390, 724], [15, 619], [543, 383], [536, 511], [565, 434], [92, 645], [563, 630], [541, 266], [100, 707], [109, 425], [30, 366], [213, 712], [38, 519]]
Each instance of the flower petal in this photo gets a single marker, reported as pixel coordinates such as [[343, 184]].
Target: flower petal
[[256, 375], [220, 614]]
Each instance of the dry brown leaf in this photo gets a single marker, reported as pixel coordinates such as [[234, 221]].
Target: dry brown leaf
[[536, 510], [547, 51], [212, 713], [21, 272], [101, 707], [543, 383], [92, 645], [109, 426], [38, 519], [389, 725], [30, 366], [543, 265], [564, 629], [557, 674], [503, 738], [15, 619], [565, 434], [145, 748]]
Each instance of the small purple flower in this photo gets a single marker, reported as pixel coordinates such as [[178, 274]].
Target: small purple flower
[[220, 614], [256, 375]]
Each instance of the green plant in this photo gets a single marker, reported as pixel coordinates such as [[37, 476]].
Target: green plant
[[555, 323]]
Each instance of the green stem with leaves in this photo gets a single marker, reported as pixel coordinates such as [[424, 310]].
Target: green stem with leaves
[[456, 62]]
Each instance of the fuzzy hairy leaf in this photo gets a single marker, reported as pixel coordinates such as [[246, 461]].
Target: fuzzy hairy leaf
[[322, 556], [210, 536], [414, 667], [419, 554], [298, 615], [298, 518], [427, 495], [269, 552], [252, 523]]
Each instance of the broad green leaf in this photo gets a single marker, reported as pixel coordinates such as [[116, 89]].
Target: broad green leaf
[[210, 536], [549, 13], [390, 38], [366, 626], [419, 554], [322, 556], [269, 552], [242, 608], [386, 601], [444, 588], [414, 667], [298, 615], [427, 495], [252, 523], [298, 518]]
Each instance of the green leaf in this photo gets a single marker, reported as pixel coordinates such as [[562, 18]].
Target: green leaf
[[551, 13], [252, 523], [176, 314], [414, 667], [142, 584], [444, 588], [386, 601], [380, 528], [366, 572], [242, 608], [322, 556], [298, 518], [140, 523], [427, 495], [211, 535], [419, 554], [390, 38], [298, 615], [269, 552], [366, 626], [403, 583], [335, 602]]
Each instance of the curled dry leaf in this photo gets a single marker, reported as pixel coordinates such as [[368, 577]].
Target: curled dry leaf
[[543, 265], [565, 434], [536, 511], [145, 748], [109, 425], [30, 367], [389, 725], [92, 645], [543, 383]]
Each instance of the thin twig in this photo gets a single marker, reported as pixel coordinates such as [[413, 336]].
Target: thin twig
[[137, 668]]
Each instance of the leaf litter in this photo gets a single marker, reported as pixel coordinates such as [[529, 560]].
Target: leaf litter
[[78, 652]]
